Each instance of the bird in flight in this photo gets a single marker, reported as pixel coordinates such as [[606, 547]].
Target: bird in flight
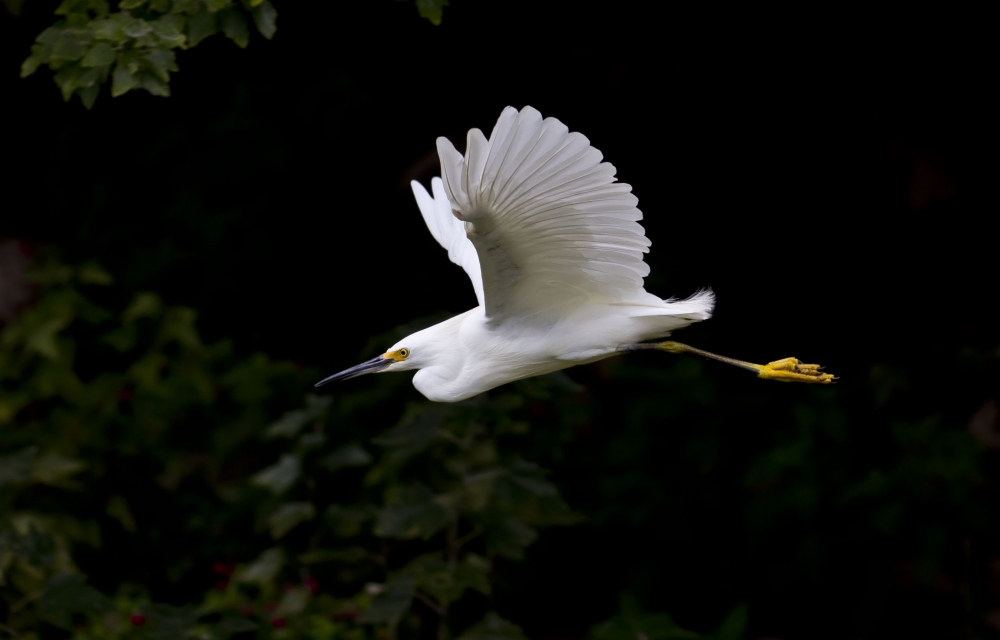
[[554, 250]]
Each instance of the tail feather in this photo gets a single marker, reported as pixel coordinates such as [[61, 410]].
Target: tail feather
[[659, 322], [694, 308], [697, 307]]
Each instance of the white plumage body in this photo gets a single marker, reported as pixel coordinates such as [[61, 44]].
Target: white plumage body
[[554, 250], [469, 354]]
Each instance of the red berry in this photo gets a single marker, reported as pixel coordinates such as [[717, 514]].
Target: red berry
[[278, 623], [138, 619], [222, 584], [313, 585], [223, 568]]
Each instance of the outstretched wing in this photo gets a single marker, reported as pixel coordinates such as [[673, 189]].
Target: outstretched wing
[[551, 227], [449, 231]]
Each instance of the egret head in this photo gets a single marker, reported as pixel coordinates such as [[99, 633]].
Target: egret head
[[398, 358], [435, 348]]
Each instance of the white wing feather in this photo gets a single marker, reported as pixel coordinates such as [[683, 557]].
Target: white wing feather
[[539, 223], [449, 231], [550, 225]]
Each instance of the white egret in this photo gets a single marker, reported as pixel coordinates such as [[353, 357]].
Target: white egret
[[554, 249]]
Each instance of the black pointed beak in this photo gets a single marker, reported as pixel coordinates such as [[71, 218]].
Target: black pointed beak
[[374, 365]]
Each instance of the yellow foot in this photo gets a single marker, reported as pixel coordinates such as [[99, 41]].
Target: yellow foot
[[791, 370], [786, 370]]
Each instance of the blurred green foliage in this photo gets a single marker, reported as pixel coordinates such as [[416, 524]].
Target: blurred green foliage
[[137, 462], [398, 529], [433, 10], [632, 623]]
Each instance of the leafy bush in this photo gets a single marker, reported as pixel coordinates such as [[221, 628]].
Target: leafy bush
[[126, 435], [135, 44], [155, 486]]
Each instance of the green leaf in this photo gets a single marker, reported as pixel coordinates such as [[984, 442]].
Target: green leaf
[[234, 25], [293, 602], [123, 338], [292, 422], [632, 623], [478, 489], [143, 305], [493, 627], [169, 29], [43, 338], [351, 455], [51, 35], [67, 594], [412, 512], [179, 324], [68, 79], [92, 273], [16, 468], [445, 581], [122, 81], [431, 9], [265, 16], [288, 516], [288, 425], [280, 476], [154, 85], [200, 26], [735, 624], [10, 404], [348, 555], [32, 547], [262, 570], [531, 477], [248, 382], [67, 6], [131, 4], [230, 625], [101, 54], [162, 62], [111, 29], [136, 27], [508, 537], [415, 432], [51, 274], [390, 605], [217, 5], [347, 521], [118, 509], [164, 621], [55, 469], [71, 45], [31, 64]]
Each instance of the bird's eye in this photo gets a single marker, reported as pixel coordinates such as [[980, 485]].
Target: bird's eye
[[404, 352]]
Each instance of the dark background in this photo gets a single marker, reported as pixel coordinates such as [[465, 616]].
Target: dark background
[[830, 177]]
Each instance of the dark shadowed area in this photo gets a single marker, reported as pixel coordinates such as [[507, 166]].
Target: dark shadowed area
[[176, 272]]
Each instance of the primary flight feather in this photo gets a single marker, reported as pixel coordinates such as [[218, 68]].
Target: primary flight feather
[[554, 250]]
